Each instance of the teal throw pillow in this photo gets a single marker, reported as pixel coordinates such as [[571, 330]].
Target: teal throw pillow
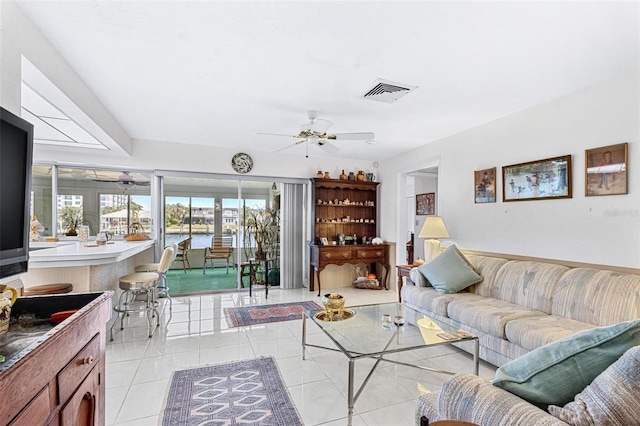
[[555, 373], [450, 271]]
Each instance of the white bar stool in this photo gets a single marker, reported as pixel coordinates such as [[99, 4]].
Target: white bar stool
[[161, 268], [132, 285]]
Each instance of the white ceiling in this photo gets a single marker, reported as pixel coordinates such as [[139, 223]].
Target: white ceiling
[[218, 72]]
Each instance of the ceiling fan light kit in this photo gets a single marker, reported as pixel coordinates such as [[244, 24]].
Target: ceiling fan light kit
[[315, 133], [125, 181]]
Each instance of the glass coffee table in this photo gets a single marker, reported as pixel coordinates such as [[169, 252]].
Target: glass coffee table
[[373, 331]]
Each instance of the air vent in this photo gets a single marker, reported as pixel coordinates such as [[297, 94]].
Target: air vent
[[387, 91]]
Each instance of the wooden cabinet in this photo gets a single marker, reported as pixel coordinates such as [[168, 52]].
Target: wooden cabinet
[[349, 208], [82, 407], [344, 207], [60, 380]]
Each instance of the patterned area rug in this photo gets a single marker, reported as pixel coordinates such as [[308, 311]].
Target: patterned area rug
[[248, 392], [264, 314]]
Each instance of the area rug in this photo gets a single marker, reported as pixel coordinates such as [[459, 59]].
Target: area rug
[[249, 392], [265, 314]]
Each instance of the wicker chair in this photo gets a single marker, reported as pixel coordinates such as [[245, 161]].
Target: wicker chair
[[183, 253]]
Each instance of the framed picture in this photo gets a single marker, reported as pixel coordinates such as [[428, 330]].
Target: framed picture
[[426, 204], [606, 170], [324, 241], [485, 185], [537, 180]]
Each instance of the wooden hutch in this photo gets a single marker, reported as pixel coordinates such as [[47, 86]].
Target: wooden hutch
[[349, 208]]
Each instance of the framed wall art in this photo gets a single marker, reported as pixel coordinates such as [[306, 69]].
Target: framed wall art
[[606, 170], [537, 180], [426, 204], [485, 185]]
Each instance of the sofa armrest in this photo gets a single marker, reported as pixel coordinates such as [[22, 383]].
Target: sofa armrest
[[470, 398]]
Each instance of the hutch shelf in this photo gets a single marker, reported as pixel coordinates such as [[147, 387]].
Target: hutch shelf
[[348, 208]]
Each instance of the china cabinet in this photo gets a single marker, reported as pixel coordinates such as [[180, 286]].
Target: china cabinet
[[344, 222]]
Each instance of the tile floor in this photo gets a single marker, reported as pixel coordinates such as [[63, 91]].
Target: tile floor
[[138, 368]]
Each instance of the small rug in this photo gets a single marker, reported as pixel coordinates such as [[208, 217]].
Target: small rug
[[249, 392], [265, 314]]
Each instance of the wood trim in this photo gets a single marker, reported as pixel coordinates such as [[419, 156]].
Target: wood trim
[[567, 263]]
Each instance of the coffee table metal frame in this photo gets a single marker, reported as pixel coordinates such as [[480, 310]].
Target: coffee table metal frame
[[393, 345]]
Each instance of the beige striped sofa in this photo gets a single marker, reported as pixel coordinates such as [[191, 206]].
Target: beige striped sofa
[[519, 306]]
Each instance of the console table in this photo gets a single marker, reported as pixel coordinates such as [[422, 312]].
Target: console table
[[321, 256]]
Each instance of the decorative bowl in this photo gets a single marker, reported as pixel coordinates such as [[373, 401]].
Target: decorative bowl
[[333, 302]]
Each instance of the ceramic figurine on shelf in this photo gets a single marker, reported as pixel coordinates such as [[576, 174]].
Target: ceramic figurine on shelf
[[326, 175], [343, 175], [352, 176], [319, 175], [360, 176]]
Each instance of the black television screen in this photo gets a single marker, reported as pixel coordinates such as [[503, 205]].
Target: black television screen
[[16, 157]]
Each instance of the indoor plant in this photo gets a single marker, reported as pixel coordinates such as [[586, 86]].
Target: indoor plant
[[71, 218]]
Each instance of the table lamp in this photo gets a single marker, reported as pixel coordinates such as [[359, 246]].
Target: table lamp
[[432, 229]]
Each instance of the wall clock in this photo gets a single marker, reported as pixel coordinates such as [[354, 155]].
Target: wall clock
[[242, 163]]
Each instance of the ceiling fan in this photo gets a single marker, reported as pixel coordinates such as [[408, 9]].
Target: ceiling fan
[[125, 181], [315, 133]]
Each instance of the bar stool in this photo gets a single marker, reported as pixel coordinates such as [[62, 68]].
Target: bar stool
[[161, 268], [133, 285]]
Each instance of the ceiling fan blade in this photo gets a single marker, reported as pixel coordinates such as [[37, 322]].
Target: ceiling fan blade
[[327, 146], [286, 147], [318, 125], [361, 136], [275, 134]]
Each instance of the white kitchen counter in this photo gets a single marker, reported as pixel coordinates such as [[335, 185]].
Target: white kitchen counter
[[87, 267], [75, 253]]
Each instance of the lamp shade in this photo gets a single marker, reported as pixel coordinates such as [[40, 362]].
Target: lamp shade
[[434, 227]]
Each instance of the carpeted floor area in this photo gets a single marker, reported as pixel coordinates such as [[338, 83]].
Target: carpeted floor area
[[195, 282]]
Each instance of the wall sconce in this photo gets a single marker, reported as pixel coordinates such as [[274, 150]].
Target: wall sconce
[[432, 229]]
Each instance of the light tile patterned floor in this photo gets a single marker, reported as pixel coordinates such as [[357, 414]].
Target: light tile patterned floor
[[138, 368]]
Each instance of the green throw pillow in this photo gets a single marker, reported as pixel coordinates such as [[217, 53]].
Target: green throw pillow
[[555, 373], [450, 271]]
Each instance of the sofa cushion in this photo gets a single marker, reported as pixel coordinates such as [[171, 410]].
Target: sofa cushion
[[473, 399], [429, 300], [488, 267], [418, 279], [597, 405], [553, 374], [528, 284], [487, 314], [450, 271], [597, 296], [533, 332]]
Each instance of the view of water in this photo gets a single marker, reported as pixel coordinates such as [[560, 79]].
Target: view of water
[[197, 240]]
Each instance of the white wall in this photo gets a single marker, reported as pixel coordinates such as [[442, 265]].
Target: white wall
[[602, 230]]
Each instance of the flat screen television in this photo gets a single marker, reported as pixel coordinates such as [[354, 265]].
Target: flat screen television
[[16, 157]]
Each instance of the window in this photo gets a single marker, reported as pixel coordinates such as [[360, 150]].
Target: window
[[119, 211], [70, 213]]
